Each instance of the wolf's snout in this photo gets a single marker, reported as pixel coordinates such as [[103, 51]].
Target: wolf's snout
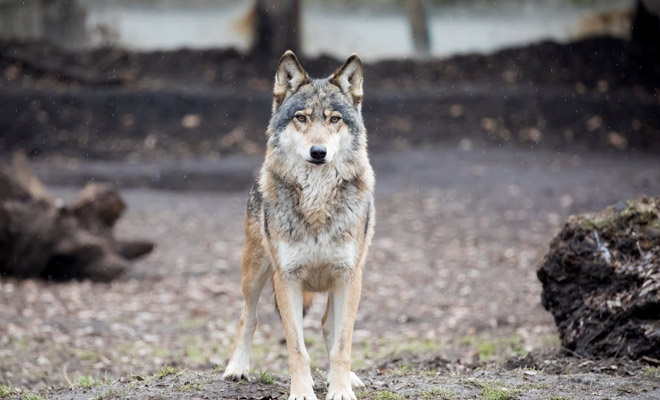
[[318, 152]]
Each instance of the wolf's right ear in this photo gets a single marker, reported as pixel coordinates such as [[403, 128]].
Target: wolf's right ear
[[289, 77]]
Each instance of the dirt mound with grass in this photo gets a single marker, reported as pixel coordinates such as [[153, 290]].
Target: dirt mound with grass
[[601, 281]]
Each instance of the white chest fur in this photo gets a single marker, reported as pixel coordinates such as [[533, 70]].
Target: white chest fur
[[317, 261]]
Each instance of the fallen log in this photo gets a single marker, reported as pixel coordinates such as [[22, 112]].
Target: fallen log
[[41, 237], [601, 281]]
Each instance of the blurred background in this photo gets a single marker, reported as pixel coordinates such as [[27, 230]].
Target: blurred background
[[490, 122]]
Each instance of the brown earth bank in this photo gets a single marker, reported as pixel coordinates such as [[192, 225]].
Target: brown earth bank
[[598, 93], [601, 281]]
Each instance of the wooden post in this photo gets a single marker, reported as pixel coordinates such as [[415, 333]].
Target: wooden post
[[420, 28], [62, 22], [277, 27], [646, 23]]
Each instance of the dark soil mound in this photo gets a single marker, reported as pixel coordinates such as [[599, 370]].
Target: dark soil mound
[[601, 281], [592, 94]]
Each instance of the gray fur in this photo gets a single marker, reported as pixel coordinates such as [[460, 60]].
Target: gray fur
[[310, 222], [318, 95]]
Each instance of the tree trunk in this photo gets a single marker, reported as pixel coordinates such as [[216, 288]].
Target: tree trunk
[[420, 28], [277, 28], [40, 238], [646, 23]]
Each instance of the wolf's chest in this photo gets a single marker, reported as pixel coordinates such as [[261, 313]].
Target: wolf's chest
[[317, 261]]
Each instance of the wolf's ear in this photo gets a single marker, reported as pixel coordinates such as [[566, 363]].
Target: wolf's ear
[[349, 79], [289, 77]]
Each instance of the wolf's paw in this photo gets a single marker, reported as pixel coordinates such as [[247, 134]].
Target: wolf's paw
[[356, 383], [301, 396], [341, 395], [236, 373]]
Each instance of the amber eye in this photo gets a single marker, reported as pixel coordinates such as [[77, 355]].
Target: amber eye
[[301, 118], [334, 119]]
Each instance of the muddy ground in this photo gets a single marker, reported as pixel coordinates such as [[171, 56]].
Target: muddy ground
[[479, 160], [451, 274]]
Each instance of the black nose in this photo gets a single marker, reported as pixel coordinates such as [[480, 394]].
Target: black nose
[[317, 152]]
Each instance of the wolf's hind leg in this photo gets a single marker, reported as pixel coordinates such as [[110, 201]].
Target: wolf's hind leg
[[256, 271]]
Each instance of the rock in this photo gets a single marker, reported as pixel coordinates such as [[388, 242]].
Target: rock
[[601, 281]]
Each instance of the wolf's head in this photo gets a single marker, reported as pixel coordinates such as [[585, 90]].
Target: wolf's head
[[316, 121]]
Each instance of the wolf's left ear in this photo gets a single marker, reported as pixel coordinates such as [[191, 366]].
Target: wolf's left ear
[[289, 77], [349, 79]]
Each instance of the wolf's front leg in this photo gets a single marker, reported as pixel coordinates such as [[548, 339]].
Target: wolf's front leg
[[345, 299], [289, 295], [328, 335]]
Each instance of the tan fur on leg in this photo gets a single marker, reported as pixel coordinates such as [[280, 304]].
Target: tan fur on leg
[[345, 299], [256, 271], [289, 296]]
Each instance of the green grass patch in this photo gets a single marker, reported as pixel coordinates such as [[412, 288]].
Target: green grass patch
[[491, 392], [488, 348], [652, 372], [266, 378], [32, 396], [166, 371], [195, 354], [87, 355], [387, 395], [88, 382], [438, 393], [6, 390]]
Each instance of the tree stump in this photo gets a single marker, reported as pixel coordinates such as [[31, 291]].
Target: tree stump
[[601, 281], [43, 238]]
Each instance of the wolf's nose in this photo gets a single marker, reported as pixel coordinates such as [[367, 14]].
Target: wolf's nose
[[318, 152]]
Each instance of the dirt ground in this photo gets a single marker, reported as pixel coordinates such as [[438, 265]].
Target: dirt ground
[[451, 276], [479, 160]]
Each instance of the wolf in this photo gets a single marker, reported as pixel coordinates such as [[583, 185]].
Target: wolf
[[310, 221]]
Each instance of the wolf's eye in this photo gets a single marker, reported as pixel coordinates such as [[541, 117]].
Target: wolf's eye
[[334, 119], [301, 118]]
